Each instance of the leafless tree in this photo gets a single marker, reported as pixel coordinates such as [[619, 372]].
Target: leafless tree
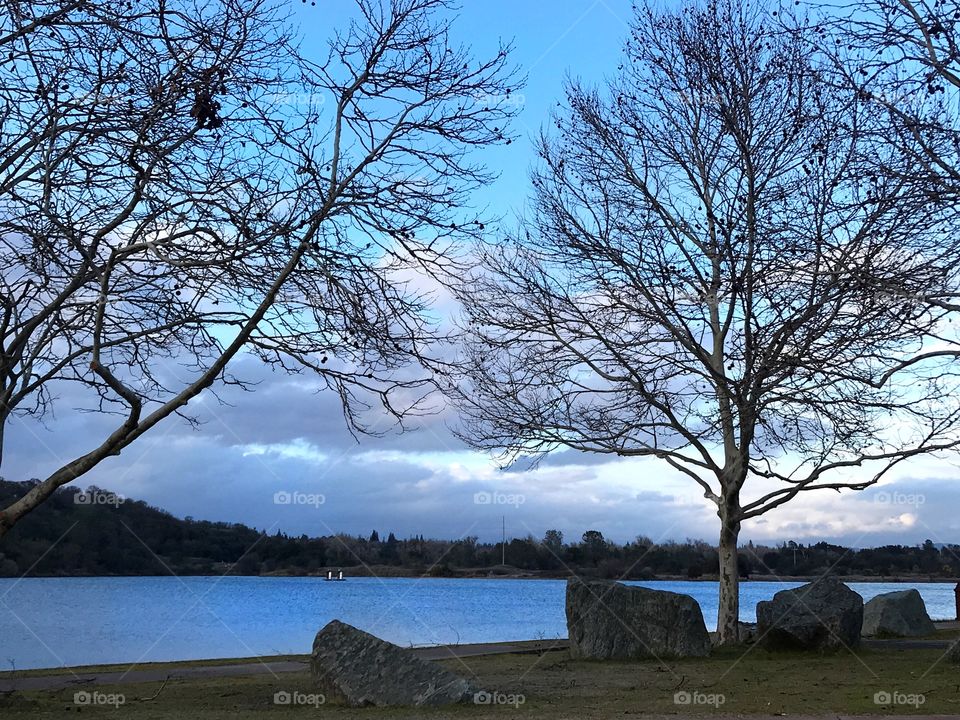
[[179, 185], [709, 276]]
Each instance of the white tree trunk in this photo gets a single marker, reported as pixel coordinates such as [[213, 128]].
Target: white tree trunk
[[728, 612]]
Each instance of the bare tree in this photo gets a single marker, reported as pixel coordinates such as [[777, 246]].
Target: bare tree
[[179, 185], [709, 277]]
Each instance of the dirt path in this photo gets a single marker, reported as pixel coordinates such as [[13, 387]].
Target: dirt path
[[78, 677]]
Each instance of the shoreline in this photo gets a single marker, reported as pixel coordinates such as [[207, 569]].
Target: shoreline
[[357, 573], [228, 666], [131, 673]]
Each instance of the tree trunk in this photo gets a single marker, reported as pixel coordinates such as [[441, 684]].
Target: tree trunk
[[728, 612]]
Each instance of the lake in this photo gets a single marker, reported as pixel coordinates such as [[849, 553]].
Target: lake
[[51, 622]]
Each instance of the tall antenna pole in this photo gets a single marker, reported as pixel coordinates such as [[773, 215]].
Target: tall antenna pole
[[503, 541]]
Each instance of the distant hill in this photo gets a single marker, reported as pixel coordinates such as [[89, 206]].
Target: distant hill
[[93, 532], [79, 532]]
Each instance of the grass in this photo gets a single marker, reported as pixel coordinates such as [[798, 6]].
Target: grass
[[553, 686], [948, 635]]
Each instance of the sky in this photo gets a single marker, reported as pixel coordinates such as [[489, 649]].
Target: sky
[[282, 459]]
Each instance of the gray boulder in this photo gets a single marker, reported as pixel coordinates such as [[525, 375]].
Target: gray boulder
[[897, 614], [748, 633], [608, 620], [356, 668], [824, 615]]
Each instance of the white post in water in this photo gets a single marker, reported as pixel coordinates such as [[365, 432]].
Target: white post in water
[[341, 575]]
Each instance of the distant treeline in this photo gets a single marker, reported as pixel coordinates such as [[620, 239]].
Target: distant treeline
[[92, 532]]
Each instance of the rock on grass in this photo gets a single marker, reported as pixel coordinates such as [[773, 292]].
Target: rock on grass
[[608, 620], [355, 668], [825, 616], [897, 614]]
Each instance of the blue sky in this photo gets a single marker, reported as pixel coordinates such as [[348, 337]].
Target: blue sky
[[286, 438], [580, 38]]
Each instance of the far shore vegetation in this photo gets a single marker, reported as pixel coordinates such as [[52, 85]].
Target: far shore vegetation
[[101, 543]]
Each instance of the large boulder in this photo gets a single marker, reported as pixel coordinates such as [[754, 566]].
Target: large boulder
[[897, 614], [748, 633], [356, 668], [608, 620], [824, 615]]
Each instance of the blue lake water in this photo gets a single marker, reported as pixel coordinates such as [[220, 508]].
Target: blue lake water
[[51, 622]]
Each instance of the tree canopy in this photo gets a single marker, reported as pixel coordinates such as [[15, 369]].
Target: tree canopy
[[179, 185], [713, 274]]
